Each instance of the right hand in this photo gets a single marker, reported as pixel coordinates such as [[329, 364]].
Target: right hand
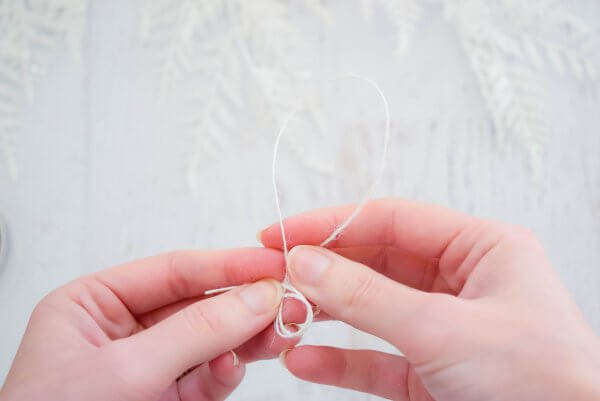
[[474, 306]]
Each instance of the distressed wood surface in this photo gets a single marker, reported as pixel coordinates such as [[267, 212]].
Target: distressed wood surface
[[103, 171]]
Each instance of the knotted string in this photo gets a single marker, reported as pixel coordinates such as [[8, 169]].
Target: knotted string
[[289, 290]]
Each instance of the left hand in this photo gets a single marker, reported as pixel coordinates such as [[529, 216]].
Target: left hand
[[129, 332]]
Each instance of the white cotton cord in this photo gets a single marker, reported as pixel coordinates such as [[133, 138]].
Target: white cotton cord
[[280, 327], [289, 290], [219, 290]]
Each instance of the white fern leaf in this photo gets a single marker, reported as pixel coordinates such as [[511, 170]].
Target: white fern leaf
[[556, 59], [512, 95], [576, 66], [405, 15], [505, 42], [214, 50], [532, 52], [29, 30]]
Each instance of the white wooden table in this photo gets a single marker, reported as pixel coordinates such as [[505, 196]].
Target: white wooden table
[[103, 170]]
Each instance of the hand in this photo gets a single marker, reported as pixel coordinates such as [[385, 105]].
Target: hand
[[129, 332], [473, 305]]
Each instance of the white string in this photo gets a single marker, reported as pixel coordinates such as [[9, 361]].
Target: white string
[[289, 290], [219, 290]]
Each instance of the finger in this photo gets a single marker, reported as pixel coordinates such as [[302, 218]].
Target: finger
[[293, 311], [212, 381], [153, 317], [267, 344], [412, 320], [397, 264], [196, 334], [373, 372], [423, 230], [184, 274], [415, 273]]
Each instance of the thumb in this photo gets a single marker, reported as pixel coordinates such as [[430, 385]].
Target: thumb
[[412, 320], [198, 333]]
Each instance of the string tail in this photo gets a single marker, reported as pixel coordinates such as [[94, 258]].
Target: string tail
[[219, 290]]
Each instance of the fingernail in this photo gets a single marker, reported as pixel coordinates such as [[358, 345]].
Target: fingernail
[[293, 326], [262, 296], [259, 235], [282, 356], [307, 265], [236, 360]]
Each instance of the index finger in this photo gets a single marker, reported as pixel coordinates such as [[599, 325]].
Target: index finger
[[421, 229], [147, 284]]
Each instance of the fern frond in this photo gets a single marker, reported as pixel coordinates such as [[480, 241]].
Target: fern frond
[[28, 31], [217, 51], [505, 43], [8, 127], [547, 32], [169, 28], [513, 95], [403, 14]]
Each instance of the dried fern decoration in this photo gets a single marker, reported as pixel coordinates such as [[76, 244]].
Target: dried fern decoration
[[28, 30], [507, 43], [221, 44], [403, 14], [218, 51]]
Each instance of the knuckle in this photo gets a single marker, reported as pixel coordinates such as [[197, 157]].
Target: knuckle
[[236, 272], [372, 375], [523, 234], [381, 260], [177, 281], [38, 311], [522, 239], [361, 290], [342, 372], [202, 319], [510, 232], [47, 304], [388, 235]]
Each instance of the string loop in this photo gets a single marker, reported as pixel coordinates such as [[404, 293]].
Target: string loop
[[289, 290]]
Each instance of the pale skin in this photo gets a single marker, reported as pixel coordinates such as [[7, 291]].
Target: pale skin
[[128, 333], [474, 306]]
